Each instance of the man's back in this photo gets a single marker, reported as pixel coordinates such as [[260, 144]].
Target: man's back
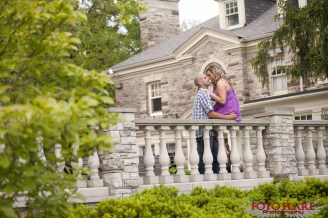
[[202, 105]]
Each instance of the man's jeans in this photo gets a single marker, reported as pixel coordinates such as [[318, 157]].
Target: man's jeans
[[214, 150]]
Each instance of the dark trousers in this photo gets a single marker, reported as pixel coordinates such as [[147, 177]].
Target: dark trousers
[[214, 150]]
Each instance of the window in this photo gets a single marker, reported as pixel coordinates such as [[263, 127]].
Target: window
[[304, 117], [295, 3], [279, 79], [232, 17], [155, 98]]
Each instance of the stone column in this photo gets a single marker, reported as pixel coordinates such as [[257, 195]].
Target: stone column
[[278, 140], [119, 167]]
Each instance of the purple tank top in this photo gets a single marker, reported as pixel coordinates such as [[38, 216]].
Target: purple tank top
[[231, 105]]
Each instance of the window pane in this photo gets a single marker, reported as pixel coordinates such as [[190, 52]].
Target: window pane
[[279, 83], [309, 117], [303, 117], [294, 3], [231, 8], [297, 117], [233, 20], [155, 90], [156, 104]]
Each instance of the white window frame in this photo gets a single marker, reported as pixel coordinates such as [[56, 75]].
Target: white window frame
[[302, 3], [153, 94], [304, 116], [231, 9], [272, 66], [224, 18]]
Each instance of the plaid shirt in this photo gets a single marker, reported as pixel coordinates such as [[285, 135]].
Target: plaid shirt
[[202, 105]]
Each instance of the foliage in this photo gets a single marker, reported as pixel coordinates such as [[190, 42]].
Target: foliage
[[172, 169], [304, 32], [188, 24], [111, 34], [222, 201], [45, 101]]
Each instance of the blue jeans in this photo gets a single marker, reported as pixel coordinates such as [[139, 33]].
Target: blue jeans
[[214, 150]]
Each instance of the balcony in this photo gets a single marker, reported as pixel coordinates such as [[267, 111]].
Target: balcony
[[266, 144]]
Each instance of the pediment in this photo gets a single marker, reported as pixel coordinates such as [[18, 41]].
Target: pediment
[[201, 38]]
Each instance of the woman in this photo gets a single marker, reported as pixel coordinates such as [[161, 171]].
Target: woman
[[226, 101]]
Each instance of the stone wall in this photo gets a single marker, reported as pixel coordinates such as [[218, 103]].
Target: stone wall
[[159, 23], [278, 140], [119, 168]]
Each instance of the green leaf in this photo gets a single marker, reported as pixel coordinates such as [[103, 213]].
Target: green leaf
[[8, 211]]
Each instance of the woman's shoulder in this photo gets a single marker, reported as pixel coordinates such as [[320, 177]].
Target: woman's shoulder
[[222, 82]]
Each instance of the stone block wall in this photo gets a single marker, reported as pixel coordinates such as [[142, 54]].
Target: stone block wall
[[278, 140], [119, 167], [159, 23]]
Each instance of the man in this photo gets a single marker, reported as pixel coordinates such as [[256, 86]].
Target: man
[[203, 109]]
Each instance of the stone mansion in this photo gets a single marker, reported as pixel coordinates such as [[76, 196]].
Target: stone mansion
[[159, 80]]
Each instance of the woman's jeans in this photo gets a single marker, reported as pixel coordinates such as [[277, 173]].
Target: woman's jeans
[[214, 150]]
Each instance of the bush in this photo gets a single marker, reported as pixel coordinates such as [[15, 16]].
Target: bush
[[222, 201]]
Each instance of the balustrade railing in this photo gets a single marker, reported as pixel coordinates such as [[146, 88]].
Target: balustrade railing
[[165, 129], [314, 157]]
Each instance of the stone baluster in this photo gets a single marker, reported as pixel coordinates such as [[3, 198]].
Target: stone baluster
[[260, 154], [208, 157], [235, 156], [179, 158], [222, 155], [164, 159], [60, 161], [77, 163], [149, 158], [310, 153], [321, 152], [193, 156], [93, 164], [300, 156], [41, 155], [249, 172]]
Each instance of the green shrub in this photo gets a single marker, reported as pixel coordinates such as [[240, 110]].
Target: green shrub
[[222, 201]]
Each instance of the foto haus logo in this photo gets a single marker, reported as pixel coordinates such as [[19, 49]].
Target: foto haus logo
[[276, 209]]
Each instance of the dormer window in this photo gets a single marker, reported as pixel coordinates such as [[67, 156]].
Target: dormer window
[[232, 14], [232, 17]]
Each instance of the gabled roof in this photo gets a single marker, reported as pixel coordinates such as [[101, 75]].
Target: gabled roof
[[262, 25]]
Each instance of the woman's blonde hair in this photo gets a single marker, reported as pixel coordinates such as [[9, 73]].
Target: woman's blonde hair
[[219, 73]]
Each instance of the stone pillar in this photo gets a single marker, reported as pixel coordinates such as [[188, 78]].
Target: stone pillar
[[119, 167], [278, 140], [159, 23]]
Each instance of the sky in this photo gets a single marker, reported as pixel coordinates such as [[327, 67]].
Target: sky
[[198, 10]]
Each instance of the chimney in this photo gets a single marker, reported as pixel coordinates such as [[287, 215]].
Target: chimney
[[159, 23]]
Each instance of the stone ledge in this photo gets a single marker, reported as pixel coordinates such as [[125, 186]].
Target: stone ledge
[[122, 110], [269, 110]]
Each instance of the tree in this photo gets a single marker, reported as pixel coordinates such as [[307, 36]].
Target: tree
[[45, 102], [188, 24], [111, 34], [304, 32]]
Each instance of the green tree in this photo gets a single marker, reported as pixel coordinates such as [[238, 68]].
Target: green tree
[[111, 34], [188, 24], [45, 101], [304, 32]]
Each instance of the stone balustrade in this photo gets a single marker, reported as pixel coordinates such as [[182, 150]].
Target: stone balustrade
[[165, 127], [267, 143]]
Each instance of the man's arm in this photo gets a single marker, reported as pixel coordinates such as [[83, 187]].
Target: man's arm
[[216, 115]]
